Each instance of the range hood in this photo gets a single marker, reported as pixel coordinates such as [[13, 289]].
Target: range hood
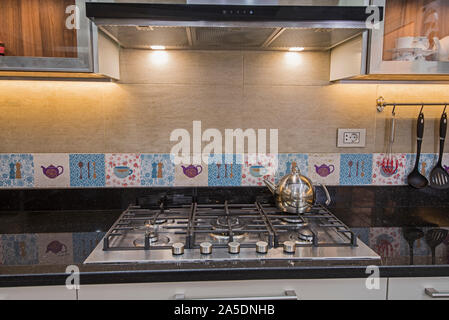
[[228, 26]]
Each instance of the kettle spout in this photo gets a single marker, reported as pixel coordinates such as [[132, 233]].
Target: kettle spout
[[270, 186]]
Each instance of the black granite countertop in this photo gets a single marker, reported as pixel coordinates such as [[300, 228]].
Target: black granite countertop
[[375, 214]]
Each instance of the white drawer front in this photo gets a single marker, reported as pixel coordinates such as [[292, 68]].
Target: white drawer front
[[37, 293], [304, 289], [414, 288]]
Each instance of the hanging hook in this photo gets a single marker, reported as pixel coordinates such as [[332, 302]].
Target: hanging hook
[[444, 110], [422, 107], [394, 108]]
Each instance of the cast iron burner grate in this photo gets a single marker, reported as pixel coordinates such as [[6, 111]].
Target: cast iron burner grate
[[245, 223]]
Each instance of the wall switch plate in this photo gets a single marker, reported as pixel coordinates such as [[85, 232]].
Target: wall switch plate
[[351, 138]]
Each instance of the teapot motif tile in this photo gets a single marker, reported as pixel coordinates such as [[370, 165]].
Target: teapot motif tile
[[51, 170], [324, 168]]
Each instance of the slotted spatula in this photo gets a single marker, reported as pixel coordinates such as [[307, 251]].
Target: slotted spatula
[[434, 238], [439, 178]]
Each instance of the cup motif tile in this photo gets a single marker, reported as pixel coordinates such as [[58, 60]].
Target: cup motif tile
[[87, 170], [157, 170], [387, 174], [16, 171], [51, 170], [356, 169], [324, 168], [122, 169], [257, 167]]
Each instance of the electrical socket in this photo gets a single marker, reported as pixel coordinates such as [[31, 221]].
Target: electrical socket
[[351, 138]]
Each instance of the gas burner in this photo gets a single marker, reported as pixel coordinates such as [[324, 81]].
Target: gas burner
[[221, 223], [297, 220], [302, 235], [154, 239]]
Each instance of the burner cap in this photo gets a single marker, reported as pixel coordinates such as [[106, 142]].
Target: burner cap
[[305, 234]]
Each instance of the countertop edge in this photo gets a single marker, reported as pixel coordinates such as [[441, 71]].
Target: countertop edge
[[219, 274]]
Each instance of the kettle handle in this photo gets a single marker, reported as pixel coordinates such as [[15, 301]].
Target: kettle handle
[[328, 197]]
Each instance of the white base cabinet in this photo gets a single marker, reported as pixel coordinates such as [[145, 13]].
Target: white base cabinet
[[274, 289], [414, 288], [37, 293]]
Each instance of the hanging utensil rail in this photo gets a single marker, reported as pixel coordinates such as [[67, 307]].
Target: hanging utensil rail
[[381, 104]]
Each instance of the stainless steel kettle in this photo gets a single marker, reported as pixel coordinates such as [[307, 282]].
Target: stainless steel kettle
[[295, 193]]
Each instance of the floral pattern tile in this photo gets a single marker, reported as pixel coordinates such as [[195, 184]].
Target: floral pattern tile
[[287, 160], [156, 170], [84, 243], [426, 163], [16, 171], [225, 170], [386, 241], [257, 167], [324, 168], [55, 248], [122, 169], [19, 249], [51, 170], [191, 174], [87, 170], [445, 162], [383, 175], [356, 169]]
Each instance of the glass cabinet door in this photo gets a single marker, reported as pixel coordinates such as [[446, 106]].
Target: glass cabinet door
[[412, 39], [45, 35]]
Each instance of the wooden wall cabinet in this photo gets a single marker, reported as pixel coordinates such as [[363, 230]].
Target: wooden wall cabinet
[[44, 37]]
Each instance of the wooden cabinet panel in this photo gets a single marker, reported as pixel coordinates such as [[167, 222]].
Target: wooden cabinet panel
[[36, 28]]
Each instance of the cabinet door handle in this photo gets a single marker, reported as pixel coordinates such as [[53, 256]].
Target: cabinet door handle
[[288, 295], [431, 292]]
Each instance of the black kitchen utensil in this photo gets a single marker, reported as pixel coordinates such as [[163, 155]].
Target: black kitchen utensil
[[439, 178], [415, 178], [411, 235], [435, 237]]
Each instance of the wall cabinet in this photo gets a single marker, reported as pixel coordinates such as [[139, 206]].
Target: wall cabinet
[[411, 43], [54, 36]]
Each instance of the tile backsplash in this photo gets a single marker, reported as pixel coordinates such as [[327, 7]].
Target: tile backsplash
[[146, 170]]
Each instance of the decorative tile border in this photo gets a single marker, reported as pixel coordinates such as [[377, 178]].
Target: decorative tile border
[[147, 170]]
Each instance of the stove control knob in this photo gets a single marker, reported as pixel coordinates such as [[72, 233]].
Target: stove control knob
[[177, 248], [289, 246], [234, 247], [261, 247], [206, 248]]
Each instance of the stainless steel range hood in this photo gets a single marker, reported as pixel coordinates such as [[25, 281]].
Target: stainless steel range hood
[[228, 26]]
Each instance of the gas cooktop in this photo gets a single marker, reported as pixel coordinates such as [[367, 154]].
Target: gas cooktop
[[219, 232]]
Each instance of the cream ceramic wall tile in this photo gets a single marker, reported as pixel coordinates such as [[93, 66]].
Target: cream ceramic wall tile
[[286, 68], [324, 168], [181, 67], [51, 170]]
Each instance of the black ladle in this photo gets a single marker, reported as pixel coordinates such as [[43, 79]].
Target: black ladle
[[434, 238], [415, 178], [411, 235]]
